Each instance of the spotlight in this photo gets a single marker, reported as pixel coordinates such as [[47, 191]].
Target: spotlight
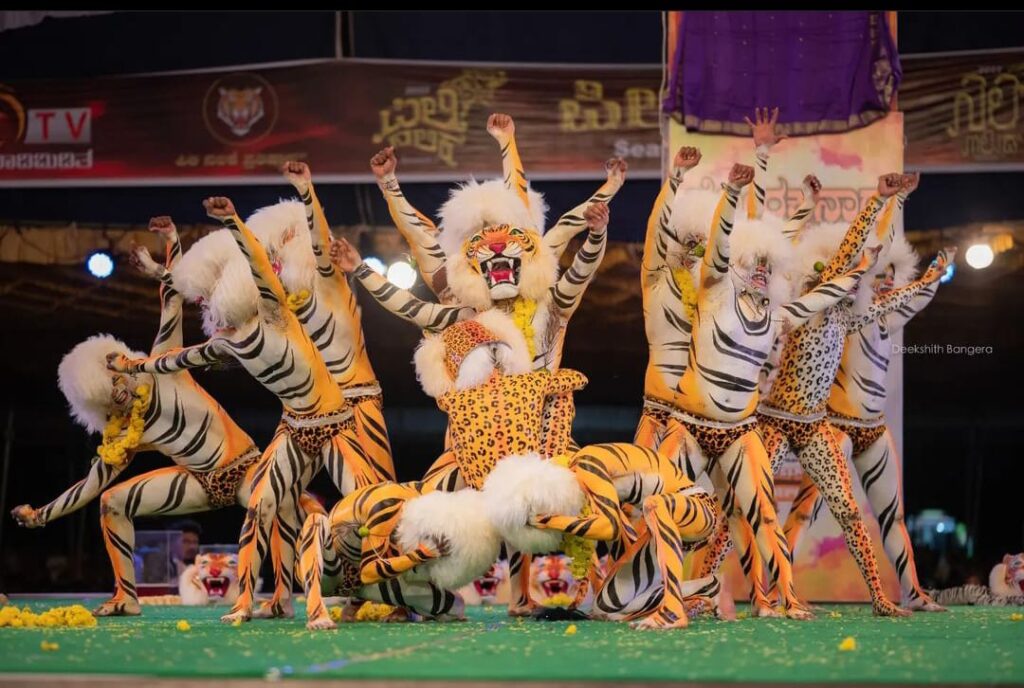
[[100, 264], [979, 256], [376, 264], [940, 527], [948, 275], [401, 274]]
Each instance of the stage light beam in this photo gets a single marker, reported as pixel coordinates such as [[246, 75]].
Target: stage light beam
[[979, 256], [376, 264], [401, 274], [100, 265]]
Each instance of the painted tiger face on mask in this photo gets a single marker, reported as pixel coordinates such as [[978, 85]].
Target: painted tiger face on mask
[[498, 255]]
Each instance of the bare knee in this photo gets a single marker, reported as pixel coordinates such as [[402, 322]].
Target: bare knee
[[112, 503]]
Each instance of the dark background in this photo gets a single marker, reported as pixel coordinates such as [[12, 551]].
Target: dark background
[[962, 414]]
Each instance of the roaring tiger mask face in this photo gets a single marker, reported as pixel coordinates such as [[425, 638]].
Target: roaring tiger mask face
[[497, 253], [212, 579], [550, 576], [240, 108]]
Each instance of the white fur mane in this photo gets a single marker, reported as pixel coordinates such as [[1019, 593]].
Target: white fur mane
[[86, 383]]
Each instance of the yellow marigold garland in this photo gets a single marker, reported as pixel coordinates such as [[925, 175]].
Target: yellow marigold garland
[[368, 611], [523, 312], [114, 451], [298, 300], [684, 280], [74, 616], [580, 550]]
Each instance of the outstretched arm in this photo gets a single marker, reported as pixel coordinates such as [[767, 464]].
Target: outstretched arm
[[503, 130], [857, 234], [659, 232], [300, 177], [568, 291], [716, 257], [403, 303], [415, 227], [796, 313], [798, 220], [572, 223], [917, 294], [198, 356], [270, 288], [72, 499], [765, 136], [169, 336]]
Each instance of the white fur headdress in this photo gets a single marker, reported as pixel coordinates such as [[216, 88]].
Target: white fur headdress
[[476, 366], [818, 244], [461, 518], [763, 236], [692, 211], [901, 255], [215, 270], [283, 230], [85, 381], [521, 487], [475, 205]]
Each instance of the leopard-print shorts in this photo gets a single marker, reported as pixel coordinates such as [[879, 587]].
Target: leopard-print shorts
[[714, 436], [656, 411], [862, 432], [221, 484], [311, 432], [798, 431]]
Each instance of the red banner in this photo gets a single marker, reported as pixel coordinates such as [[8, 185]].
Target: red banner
[[239, 126]]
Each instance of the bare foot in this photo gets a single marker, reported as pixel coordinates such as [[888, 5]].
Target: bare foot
[[321, 623], [275, 609], [119, 606], [522, 610], [659, 622], [799, 613], [234, 615], [764, 611], [924, 603], [884, 607]]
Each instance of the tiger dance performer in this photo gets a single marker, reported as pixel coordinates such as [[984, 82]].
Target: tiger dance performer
[[398, 543], [712, 426], [171, 414], [858, 395], [267, 339], [297, 238], [1005, 587], [792, 416], [481, 205], [583, 495]]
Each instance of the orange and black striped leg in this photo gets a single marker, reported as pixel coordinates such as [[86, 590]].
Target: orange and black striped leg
[[879, 469], [314, 548], [372, 434], [162, 492], [282, 467], [648, 433], [519, 603], [444, 474], [283, 534], [349, 466], [676, 523], [745, 471], [823, 460]]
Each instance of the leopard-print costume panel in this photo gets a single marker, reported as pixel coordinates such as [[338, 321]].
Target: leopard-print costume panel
[[861, 435], [798, 432], [658, 415], [221, 484], [348, 581], [714, 441], [312, 432], [559, 412], [500, 418]]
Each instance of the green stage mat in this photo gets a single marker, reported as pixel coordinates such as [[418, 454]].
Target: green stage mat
[[966, 645]]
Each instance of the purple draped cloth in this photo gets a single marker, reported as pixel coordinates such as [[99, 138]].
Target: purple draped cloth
[[826, 71]]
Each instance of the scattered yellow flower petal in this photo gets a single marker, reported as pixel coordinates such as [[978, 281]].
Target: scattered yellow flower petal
[[46, 646], [571, 630], [236, 623], [835, 615], [74, 616], [1016, 617], [558, 600], [373, 611], [848, 644], [184, 626]]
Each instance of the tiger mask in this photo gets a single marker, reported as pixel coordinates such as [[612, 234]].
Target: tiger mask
[[212, 579], [500, 263], [1007, 577]]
